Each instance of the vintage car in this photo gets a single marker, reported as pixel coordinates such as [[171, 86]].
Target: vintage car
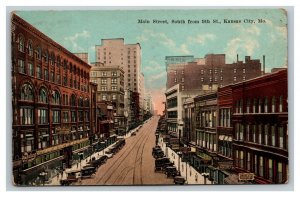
[[87, 171], [161, 163], [171, 171], [158, 154], [179, 180]]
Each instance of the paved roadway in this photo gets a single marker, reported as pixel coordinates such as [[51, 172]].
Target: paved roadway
[[133, 164]]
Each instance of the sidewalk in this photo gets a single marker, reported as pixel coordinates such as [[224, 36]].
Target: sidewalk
[[187, 171], [77, 166]]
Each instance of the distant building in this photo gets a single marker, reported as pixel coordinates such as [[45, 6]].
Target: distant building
[[211, 72], [83, 56], [128, 56], [110, 81]]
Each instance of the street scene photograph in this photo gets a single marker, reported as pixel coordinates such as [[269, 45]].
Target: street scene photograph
[[149, 97]]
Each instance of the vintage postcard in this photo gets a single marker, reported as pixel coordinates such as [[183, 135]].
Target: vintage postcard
[[149, 97]]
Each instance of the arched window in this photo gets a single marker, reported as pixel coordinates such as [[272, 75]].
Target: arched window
[[27, 93], [52, 59], [55, 97], [46, 56], [30, 48], [43, 96], [21, 43], [38, 53], [80, 102], [73, 100]]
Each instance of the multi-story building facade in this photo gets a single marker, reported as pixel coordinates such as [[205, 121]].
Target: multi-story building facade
[[53, 104], [128, 57], [83, 56], [110, 80], [211, 72], [260, 124]]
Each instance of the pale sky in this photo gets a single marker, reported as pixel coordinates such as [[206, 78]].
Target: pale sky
[[80, 31]]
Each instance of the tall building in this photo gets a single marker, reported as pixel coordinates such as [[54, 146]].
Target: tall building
[[211, 72], [110, 81], [128, 57], [260, 126], [53, 104]]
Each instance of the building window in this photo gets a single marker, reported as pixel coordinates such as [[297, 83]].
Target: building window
[[114, 74], [248, 161], [248, 132], [73, 116], [39, 53], [234, 78], [279, 172], [103, 81], [202, 72], [46, 75], [182, 79], [242, 159], [80, 116], [175, 80], [43, 96], [237, 158], [255, 164], [104, 97], [221, 78], [55, 116], [234, 70], [273, 135], [55, 97], [216, 78], [266, 134], [248, 105], [244, 70], [202, 79], [28, 143], [30, 49], [43, 141], [259, 105], [39, 72], [271, 169], [273, 104], [254, 106], [175, 72], [43, 116], [21, 65], [80, 102], [73, 100], [52, 76], [103, 88], [261, 166], [114, 88], [260, 134], [244, 78], [26, 116], [65, 116], [114, 81], [21, 43], [114, 97], [281, 144], [27, 93], [104, 74], [266, 105], [280, 104], [241, 132], [254, 134]]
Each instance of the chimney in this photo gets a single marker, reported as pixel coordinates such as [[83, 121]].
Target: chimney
[[264, 64]]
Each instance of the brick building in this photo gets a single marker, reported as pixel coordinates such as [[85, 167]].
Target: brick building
[[211, 72], [260, 125], [53, 103]]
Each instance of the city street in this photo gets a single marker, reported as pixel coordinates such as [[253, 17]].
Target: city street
[[133, 164]]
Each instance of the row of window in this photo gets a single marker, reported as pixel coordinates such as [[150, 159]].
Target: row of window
[[104, 73], [27, 94], [269, 135], [207, 140], [48, 57], [207, 118], [54, 77], [260, 105], [27, 116], [264, 167], [105, 97]]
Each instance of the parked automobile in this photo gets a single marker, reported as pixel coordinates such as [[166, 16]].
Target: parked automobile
[[179, 180], [158, 154], [155, 149], [109, 153], [87, 171], [171, 171], [160, 163]]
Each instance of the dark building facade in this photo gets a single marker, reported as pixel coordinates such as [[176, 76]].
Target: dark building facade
[[260, 125], [53, 104]]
